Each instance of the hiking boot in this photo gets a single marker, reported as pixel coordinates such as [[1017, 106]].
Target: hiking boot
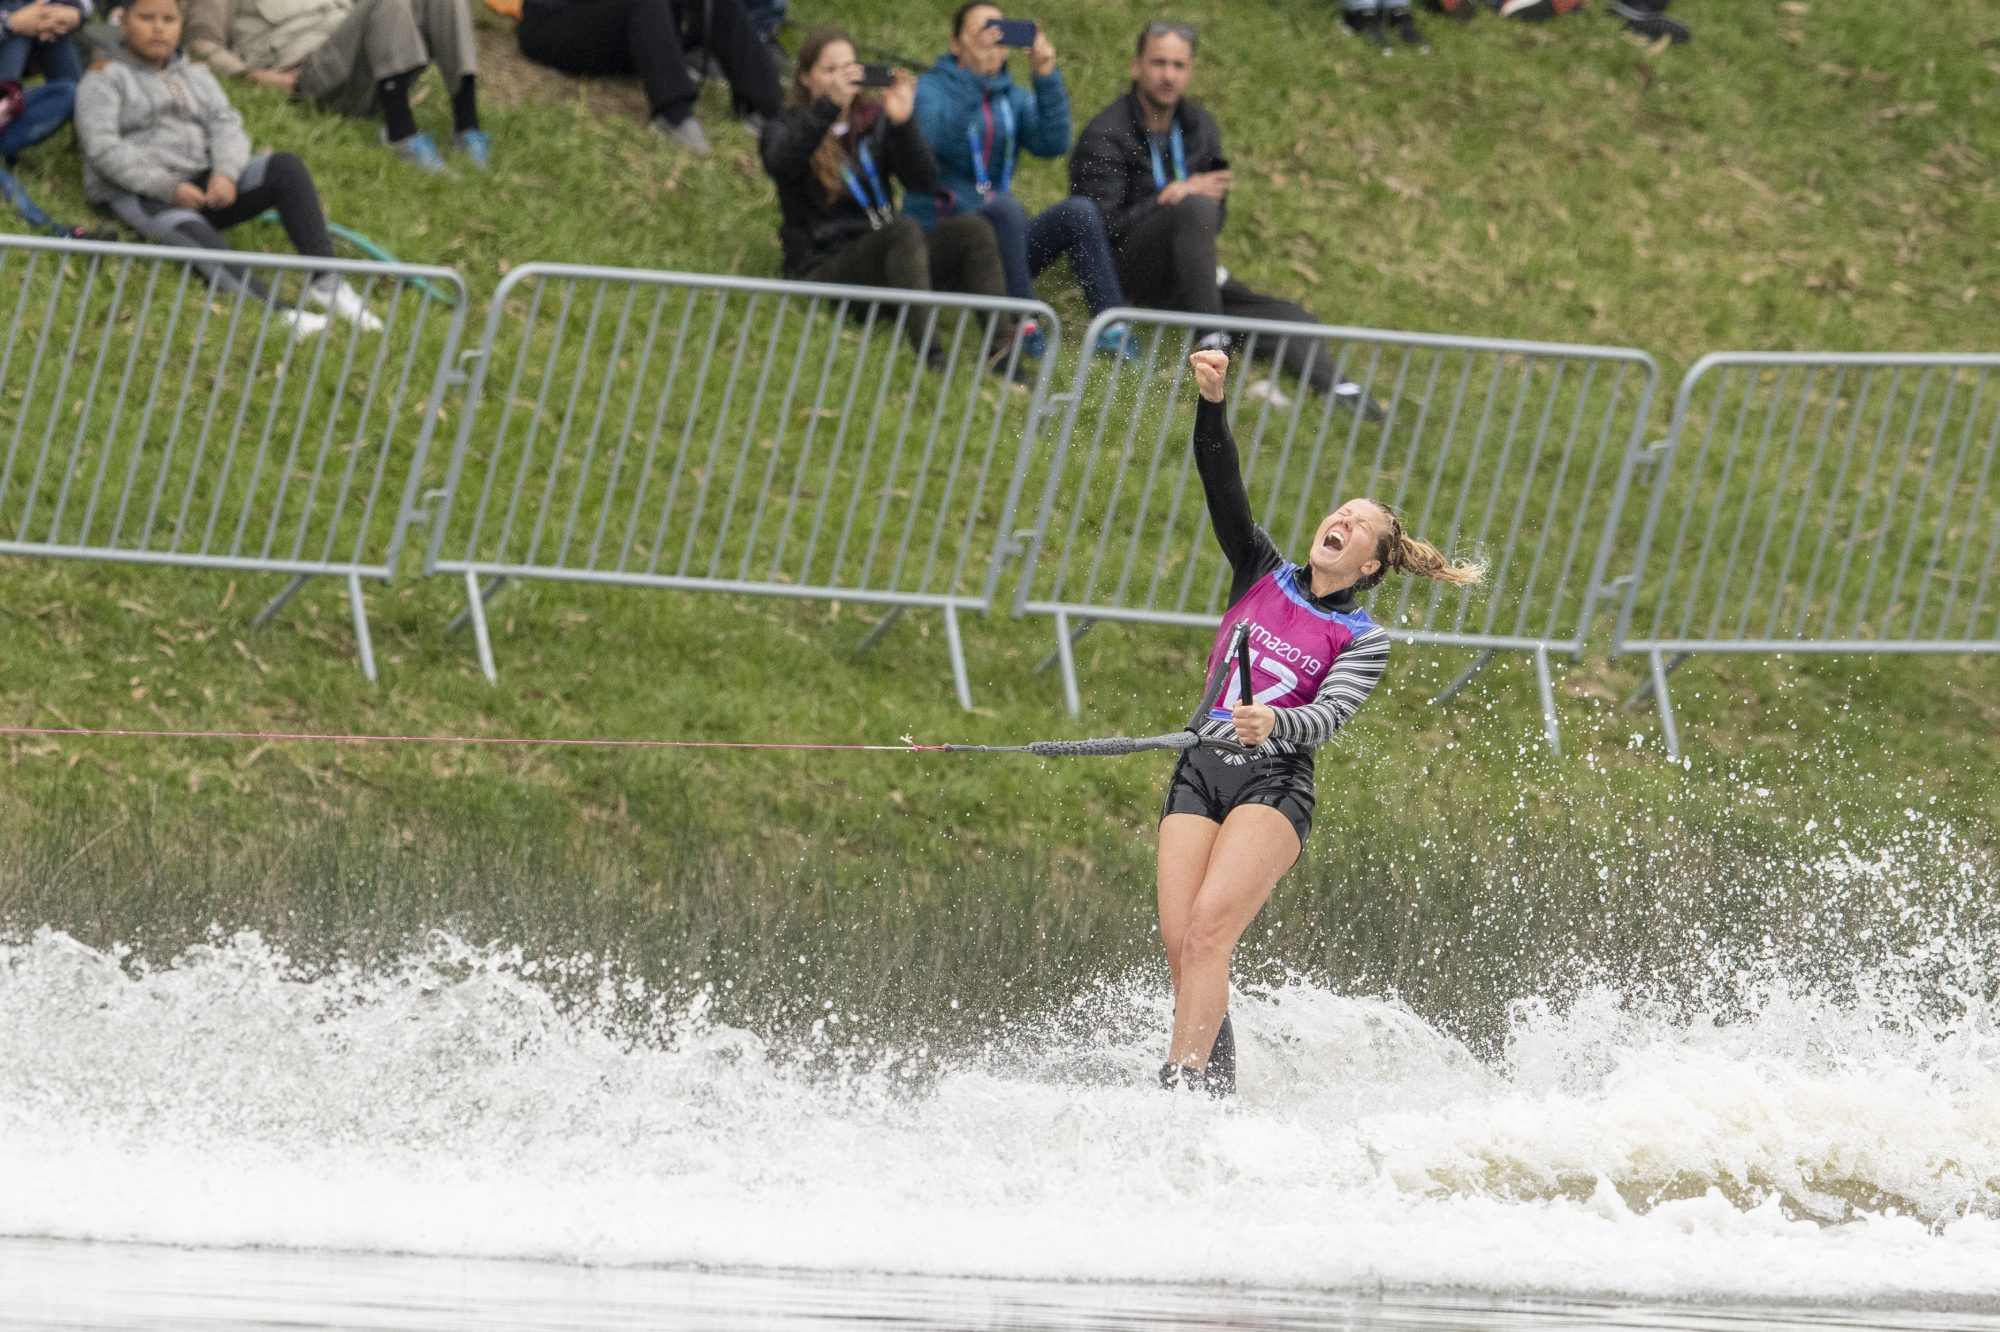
[[1367, 25], [686, 133], [420, 151], [1404, 25], [477, 145]]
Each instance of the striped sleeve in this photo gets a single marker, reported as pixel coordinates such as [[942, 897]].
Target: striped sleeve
[[1348, 683]]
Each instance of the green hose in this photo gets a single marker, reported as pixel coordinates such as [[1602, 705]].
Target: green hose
[[373, 249]]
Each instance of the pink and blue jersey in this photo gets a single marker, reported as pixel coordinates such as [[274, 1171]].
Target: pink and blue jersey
[[1313, 659]]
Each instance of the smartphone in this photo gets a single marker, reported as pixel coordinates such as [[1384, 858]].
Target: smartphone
[[1015, 32], [878, 76]]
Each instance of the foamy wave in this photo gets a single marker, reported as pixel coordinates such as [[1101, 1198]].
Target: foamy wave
[[449, 1105]]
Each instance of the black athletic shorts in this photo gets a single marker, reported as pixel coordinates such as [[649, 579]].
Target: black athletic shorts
[[1206, 783]]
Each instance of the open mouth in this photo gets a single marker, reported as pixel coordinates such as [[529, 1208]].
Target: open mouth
[[1334, 541]]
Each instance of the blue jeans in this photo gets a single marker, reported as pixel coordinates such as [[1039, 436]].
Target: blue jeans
[[1073, 227], [57, 61], [47, 110]]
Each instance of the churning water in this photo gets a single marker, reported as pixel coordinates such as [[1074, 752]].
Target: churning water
[[1784, 1133]]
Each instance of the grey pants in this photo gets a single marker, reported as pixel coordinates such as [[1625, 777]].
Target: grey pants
[[269, 180], [382, 39]]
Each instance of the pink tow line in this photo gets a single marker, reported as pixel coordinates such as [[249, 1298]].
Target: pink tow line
[[910, 747]]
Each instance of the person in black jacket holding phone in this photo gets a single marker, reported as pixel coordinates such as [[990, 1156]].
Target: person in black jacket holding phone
[[1153, 163], [834, 154]]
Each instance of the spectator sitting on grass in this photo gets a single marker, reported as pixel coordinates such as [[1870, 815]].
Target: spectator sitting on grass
[[35, 38], [1153, 162], [833, 155], [357, 57], [644, 37], [977, 121], [27, 117], [166, 152], [1377, 21]]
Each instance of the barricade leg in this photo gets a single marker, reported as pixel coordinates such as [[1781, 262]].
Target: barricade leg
[[278, 603], [882, 626], [1464, 678], [464, 617], [1065, 641], [1546, 685], [1082, 628], [361, 636], [1668, 733], [1653, 681], [957, 646], [475, 610]]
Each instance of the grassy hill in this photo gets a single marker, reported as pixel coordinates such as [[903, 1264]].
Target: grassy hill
[[1802, 176]]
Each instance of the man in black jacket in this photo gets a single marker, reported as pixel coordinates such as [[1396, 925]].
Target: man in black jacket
[[1153, 163]]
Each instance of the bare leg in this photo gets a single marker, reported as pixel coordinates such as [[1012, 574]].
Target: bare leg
[[1255, 847], [1185, 842]]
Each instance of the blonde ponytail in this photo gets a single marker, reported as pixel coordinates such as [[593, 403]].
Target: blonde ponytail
[[1420, 559]]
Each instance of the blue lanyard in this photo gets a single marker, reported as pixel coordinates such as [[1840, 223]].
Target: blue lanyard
[[1180, 158], [1006, 136], [874, 200]]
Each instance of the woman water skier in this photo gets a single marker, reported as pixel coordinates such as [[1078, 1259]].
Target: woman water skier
[[1233, 824]]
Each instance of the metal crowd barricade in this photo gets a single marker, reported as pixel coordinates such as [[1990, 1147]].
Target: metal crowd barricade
[[166, 406], [1820, 502], [675, 430], [1518, 451]]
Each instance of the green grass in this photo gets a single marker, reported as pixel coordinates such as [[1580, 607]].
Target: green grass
[[1822, 180]]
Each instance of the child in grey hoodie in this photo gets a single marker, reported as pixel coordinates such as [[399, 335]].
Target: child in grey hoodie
[[165, 151]]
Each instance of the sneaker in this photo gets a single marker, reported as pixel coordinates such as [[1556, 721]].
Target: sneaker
[[1033, 341], [302, 323], [477, 145], [342, 301], [1644, 20], [1404, 25], [1348, 394], [419, 150], [1368, 27], [64, 231], [1118, 342], [702, 66], [687, 133], [1267, 390]]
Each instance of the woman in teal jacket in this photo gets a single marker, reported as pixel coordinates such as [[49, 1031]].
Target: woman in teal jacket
[[978, 121]]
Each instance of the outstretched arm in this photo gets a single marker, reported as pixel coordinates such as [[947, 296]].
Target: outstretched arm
[[1251, 553]]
